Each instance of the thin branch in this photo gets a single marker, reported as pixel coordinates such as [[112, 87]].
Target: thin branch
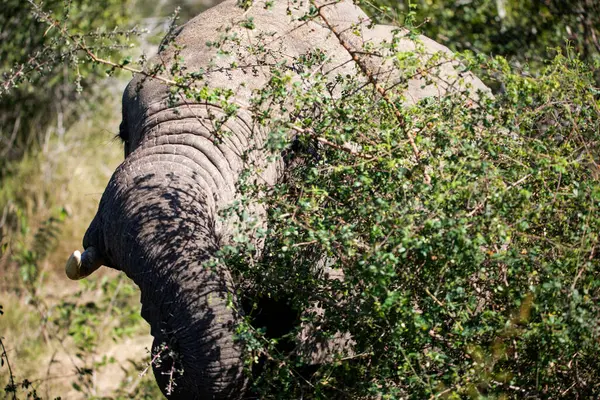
[[11, 377], [346, 148], [80, 44], [371, 78], [482, 203], [580, 272], [439, 303]]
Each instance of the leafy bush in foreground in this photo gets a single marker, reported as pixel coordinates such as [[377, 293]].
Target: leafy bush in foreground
[[471, 272]]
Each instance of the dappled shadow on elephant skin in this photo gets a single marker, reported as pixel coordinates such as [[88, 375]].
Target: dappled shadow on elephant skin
[[179, 381], [159, 230], [185, 355]]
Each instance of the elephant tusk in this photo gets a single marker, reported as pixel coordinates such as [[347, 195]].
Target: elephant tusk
[[81, 265]]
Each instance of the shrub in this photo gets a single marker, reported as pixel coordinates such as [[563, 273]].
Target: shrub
[[525, 32], [470, 271], [42, 71]]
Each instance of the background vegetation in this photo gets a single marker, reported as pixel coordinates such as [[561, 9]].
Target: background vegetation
[[482, 283], [60, 115], [523, 31]]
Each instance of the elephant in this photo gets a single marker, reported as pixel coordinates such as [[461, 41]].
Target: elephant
[[158, 218]]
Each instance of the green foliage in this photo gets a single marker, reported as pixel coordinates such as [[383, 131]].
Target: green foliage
[[465, 228], [522, 31], [43, 71], [13, 387], [27, 258], [72, 321], [68, 318], [469, 272], [57, 332]]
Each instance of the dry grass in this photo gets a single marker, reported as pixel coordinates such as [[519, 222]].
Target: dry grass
[[54, 329], [71, 173]]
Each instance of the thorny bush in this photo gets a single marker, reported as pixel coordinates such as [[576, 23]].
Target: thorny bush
[[42, 68], [470, 272]]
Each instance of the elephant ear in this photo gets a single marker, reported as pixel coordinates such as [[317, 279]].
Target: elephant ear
[[125, 138], [443, 76]]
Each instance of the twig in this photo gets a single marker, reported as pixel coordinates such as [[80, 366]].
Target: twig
[[11, 377], [370, 77], [80, 43], [568, 389], [304, 243], [361, 355], [171, 379], [157, 355], [580, 272], [412, 368], [346, 148], [482, 203], [111, 304], [512, 387], [434, 298]]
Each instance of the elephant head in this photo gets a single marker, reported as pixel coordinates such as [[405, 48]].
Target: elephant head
[[158, 220]]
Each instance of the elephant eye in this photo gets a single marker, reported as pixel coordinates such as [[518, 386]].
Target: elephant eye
[[123, 134]]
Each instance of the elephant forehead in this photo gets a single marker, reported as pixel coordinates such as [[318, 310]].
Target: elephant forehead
[[234, 57], [240, 58], [237, 49]]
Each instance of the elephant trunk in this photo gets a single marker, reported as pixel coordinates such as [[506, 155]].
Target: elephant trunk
[[194, 352], [157, 222]]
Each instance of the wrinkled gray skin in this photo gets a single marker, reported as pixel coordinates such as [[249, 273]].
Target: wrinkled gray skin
[[157, 220]]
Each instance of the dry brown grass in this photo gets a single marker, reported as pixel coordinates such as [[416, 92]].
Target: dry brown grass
[[69, 172]]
